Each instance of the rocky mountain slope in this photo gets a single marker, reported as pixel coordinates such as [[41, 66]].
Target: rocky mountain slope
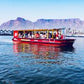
[[21, 23]]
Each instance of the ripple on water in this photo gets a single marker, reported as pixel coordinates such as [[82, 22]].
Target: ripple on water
[[37, 64]]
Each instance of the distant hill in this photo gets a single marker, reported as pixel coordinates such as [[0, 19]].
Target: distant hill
[[21, 23]]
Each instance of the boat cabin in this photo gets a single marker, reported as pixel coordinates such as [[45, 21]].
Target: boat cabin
[[40, 33]]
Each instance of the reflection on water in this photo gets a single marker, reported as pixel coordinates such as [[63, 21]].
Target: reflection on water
[[41, 51]]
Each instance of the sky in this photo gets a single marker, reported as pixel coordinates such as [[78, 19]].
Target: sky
[[41, 9]]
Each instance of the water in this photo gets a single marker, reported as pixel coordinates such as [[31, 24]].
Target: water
[[37, 64]]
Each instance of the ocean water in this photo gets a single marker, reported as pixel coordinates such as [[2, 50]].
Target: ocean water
[[38, 64]]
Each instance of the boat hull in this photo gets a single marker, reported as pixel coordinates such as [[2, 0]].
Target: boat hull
[[54, 42]]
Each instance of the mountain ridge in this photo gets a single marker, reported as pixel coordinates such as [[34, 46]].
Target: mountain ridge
[[21, 23]]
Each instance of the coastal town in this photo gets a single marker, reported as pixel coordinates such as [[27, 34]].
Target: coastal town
[[68, 32]]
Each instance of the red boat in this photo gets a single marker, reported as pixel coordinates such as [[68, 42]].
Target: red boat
[[53, 37]]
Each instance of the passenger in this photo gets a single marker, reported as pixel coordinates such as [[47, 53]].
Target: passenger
[[41, 35], [29, 36], [50, 35], [23, 35], [26, 35], [37, 35], [44, 36], [54, 36], [33, 36], [57, 36], [61, 36], [20, 36]]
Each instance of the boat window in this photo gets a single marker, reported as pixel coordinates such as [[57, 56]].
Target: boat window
[[20, 33]]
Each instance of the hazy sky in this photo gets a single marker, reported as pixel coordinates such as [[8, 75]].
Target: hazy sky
[[37, 9]]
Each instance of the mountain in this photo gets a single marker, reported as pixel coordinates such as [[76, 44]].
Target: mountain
[[21, 23]]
